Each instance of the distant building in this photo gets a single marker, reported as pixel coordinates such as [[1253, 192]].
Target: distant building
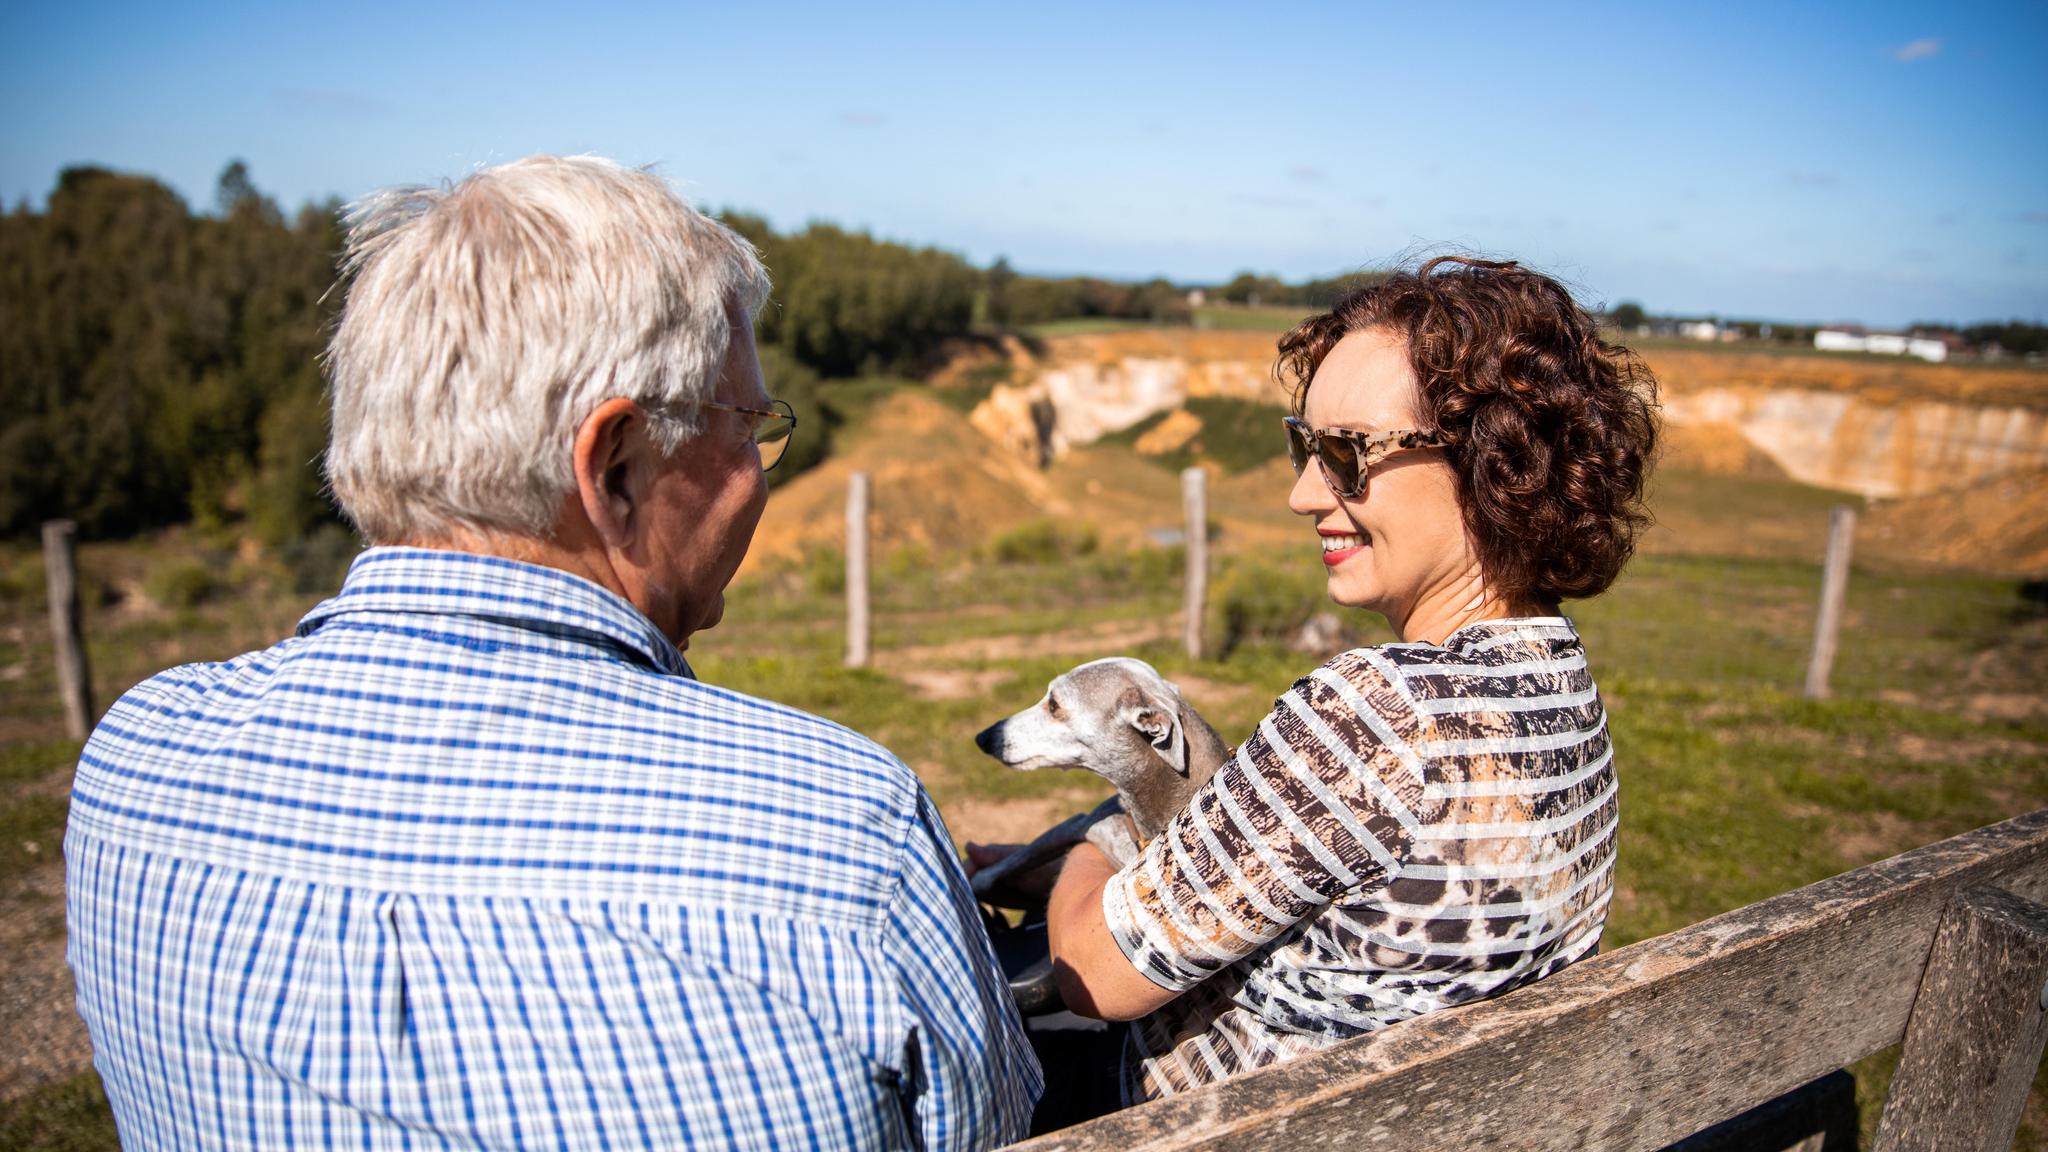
[[1881, 343], [1197, 297], [1700, 330]]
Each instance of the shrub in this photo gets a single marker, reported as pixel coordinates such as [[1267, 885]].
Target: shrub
[[975, 385], [181, 583], [22, 580], [1042, 542], [317, 561], [1258, 604], [1236, 435], [903, 563], [1143, 567], [824, 570]]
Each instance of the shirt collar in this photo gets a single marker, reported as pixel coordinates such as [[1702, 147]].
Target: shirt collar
[[1533, 627], [433, 582]]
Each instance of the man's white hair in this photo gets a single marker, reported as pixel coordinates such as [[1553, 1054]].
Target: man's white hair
[[487, 319]]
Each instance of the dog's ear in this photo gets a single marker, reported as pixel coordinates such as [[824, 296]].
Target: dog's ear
[[1161, 729]]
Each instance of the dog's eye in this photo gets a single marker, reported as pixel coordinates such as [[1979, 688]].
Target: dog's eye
[[1052, 706]]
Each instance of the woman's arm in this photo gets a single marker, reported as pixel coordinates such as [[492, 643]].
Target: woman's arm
[[1308, 807], [1094, 977]]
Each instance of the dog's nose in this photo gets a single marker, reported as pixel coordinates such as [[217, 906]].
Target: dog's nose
[[990, 739]]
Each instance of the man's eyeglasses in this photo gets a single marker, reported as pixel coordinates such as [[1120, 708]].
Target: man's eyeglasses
[[1346, 456], [772, 434]]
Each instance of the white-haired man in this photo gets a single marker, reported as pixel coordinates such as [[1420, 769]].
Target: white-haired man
[[473, 860]]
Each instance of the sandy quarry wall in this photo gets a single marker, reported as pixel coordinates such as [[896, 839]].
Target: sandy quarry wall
[[1854, 444], [1858, 424]]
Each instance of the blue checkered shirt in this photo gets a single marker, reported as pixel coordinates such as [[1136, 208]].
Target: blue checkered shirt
[[473, 861]]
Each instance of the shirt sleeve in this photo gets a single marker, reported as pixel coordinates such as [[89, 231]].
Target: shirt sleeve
[[1318, 803], [970, 1078]]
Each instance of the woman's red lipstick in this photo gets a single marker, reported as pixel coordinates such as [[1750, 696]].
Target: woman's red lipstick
[[1332, 559]]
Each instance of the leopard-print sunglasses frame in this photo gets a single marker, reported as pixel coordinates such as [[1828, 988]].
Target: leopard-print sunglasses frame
[[1347, 457]]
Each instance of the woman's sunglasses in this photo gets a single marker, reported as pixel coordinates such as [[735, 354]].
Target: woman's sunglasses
[[1347, 456]]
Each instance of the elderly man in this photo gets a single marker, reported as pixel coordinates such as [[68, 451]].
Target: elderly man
[[473, 860]]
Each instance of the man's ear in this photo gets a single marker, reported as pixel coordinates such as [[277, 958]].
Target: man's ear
[[1161, 729], [607, 466]]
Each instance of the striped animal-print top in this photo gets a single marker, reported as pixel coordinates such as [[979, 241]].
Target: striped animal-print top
[[1414, 826]]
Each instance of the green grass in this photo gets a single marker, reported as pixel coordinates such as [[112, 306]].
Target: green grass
[[1084, 326], [70, 1116], [1250, 319], [32, 808], [1236, 435]]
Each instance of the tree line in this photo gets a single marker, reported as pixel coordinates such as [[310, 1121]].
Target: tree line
[[160, 365]]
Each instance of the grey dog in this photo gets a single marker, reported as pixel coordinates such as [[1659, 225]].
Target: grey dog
[[1120, 719]]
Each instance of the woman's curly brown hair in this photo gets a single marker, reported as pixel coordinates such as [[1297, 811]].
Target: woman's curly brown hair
[[1551, 428]]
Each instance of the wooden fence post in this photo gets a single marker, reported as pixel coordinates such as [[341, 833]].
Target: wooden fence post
[[857, 571], [1833, 588], [1194, 494], [1975, 1036], [74, 680]]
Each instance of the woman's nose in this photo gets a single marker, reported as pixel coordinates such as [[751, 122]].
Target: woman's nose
[[1311, 496]]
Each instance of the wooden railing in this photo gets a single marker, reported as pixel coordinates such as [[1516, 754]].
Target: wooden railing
[[1944, 948]]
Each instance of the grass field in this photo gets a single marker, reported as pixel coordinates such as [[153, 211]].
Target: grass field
[[1235, 318], [1734, 787]]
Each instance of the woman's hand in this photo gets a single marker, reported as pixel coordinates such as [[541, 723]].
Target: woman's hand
[[980, 856], [1027, 888], [1094, 978]]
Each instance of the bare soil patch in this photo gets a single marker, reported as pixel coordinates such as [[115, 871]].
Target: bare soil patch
[[951, 683], [1110, 636], [1015, 821], [42, 1040]]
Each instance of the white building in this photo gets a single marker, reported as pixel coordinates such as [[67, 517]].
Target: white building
[[1700, 330], [1882, 343]]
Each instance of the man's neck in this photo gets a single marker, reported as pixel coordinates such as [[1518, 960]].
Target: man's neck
[[527, 550]]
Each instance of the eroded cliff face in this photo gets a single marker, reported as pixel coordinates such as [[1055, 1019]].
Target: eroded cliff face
[[1876, 429], [1071, 402], [1857, 444]]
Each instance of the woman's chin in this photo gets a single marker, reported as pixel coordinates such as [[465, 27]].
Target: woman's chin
[[1345, 593]]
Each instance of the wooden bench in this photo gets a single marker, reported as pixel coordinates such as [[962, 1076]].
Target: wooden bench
[[1944, 947]]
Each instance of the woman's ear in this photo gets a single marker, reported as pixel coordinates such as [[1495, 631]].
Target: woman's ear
[[607, 463]]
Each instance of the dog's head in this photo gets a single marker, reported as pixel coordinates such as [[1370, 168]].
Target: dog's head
[[1117, 718]]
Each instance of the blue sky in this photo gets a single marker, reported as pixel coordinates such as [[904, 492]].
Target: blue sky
[[1822, 162]]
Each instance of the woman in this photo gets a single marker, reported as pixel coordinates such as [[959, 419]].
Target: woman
[[1426, 822]]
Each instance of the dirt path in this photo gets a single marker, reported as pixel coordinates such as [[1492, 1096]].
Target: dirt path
[[1101, 639], [42, 1040]]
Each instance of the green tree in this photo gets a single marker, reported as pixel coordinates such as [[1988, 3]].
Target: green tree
[[142, 346]]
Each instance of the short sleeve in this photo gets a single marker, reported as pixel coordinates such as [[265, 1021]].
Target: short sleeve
[[970, 1078], [1314, 805]]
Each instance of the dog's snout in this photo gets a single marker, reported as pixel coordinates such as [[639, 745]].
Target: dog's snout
[[990, 739]]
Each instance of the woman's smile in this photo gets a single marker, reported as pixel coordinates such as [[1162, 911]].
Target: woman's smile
[[1339, 546]]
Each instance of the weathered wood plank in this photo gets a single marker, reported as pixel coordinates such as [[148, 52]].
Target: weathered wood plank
[[1631, 1050], [1816, 1117], [1976, 1033]]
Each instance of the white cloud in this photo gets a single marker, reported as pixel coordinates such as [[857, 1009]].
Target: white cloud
[[1918, 50]]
